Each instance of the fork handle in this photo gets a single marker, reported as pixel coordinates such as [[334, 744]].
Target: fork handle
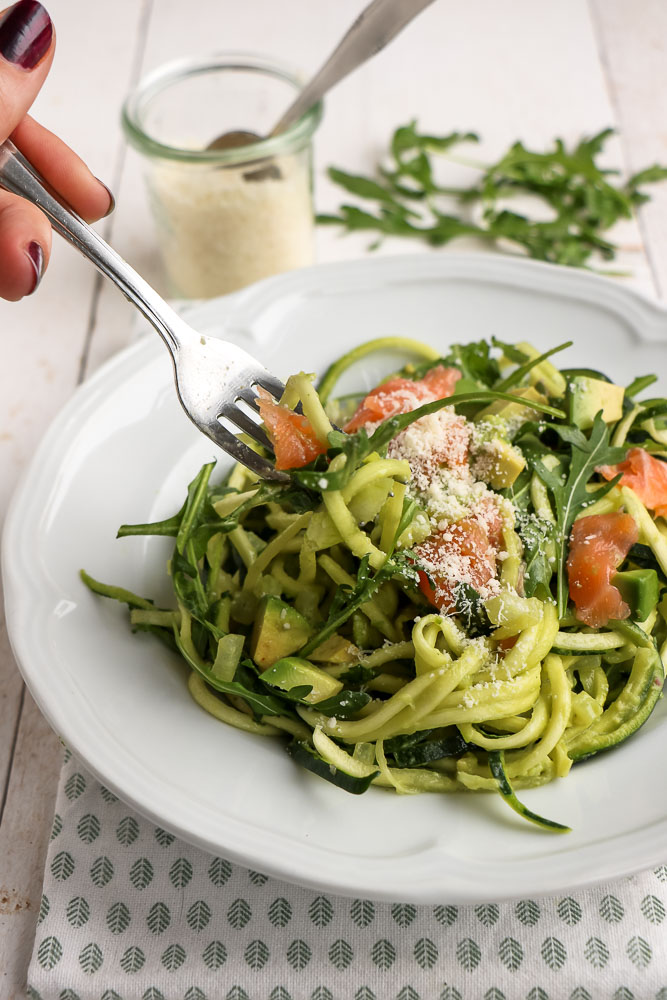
[[19, 177]]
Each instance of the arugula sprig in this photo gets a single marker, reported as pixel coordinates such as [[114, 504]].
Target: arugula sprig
[[197, 522], [568, 489], [583, 202]]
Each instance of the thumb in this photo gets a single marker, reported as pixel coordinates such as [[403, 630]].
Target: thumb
[[26, 48]]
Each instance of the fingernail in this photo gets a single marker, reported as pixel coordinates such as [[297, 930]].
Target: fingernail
[[26, 32], [112, 200], [35, 255]]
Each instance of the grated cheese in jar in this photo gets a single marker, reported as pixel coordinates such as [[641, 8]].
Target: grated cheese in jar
[[219, 231]]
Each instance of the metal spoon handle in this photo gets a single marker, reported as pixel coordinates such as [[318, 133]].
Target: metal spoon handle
[[374, 28]]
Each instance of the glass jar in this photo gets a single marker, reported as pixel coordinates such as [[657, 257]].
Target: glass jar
[[224, 217]]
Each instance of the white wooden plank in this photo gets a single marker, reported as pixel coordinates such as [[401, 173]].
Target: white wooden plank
[[24, 836], [633, 44]]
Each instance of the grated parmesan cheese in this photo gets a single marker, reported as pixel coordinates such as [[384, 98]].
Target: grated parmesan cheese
[[445, 485]]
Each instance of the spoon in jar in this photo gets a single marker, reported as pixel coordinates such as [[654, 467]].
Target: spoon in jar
[[375, 27]]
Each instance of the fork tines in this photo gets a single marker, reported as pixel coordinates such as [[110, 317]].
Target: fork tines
[[243, 414]]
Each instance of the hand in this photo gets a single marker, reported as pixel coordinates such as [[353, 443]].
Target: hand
[[27, 43]]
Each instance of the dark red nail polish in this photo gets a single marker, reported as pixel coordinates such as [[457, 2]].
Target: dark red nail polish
[[26, 32], [35, 255]]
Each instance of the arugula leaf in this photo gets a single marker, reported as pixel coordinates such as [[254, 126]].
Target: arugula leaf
[[198, 521], [639, 384], [168, 527], [407, 139], [182, 524], [583, 202], [649, 175], [194, 506], [188, 584], [357, 676], [519, 373], [569, 492], [475, 362], [418, 748], [344, 705], [535, 534], [410, 173], [296, 694], [364, 187], [394, 220], [469, 606], [511, 351]]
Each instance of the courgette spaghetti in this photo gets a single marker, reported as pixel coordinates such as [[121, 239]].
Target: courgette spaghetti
[[461, 590]]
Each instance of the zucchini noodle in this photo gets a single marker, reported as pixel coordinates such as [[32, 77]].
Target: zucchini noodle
[[408, 612]]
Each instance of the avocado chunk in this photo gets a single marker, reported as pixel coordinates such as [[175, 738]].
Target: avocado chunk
[[639, 589], [589, 396], [335, 649], [279, 630], [502, 463], [292, 672], [512, 411]]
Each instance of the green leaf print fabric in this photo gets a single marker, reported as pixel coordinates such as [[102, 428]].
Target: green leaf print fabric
[[129, 912]]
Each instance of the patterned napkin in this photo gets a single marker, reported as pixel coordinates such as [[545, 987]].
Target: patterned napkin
[[131, 913]]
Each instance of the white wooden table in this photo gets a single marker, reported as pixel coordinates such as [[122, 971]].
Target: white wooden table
[[514, 70]]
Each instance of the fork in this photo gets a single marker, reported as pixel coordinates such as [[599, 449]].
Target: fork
[[215, 380]]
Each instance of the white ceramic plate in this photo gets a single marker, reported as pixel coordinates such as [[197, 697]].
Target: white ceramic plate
[[123, 451]]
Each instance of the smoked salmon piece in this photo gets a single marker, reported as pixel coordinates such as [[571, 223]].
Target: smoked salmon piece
[[295, 443], [644, 474], [598, 545], [463, 553], [402, 395]]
